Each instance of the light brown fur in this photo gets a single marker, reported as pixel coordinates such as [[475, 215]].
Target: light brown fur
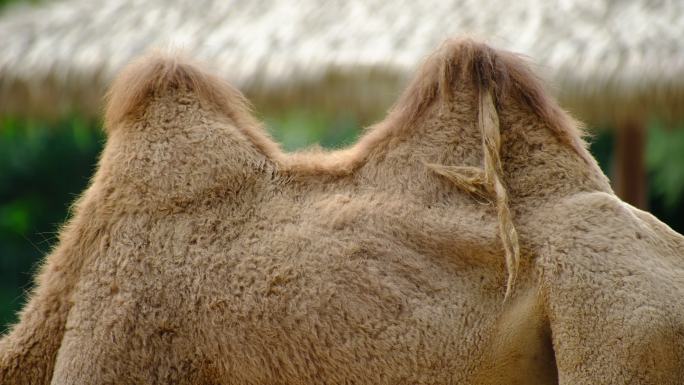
[[469, 238]]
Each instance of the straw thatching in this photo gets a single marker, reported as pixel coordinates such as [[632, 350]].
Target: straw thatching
[[606, 60]]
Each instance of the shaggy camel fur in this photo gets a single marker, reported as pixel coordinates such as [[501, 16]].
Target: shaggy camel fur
[[469, 238]]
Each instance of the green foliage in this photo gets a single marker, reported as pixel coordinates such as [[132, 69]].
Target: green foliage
[[5, 3], [43, 167], [601, 146], [665, 162], [297, 129]]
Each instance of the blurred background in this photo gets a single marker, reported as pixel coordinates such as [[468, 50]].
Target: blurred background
[[317, 72]]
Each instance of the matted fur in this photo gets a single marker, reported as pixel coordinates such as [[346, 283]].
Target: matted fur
[[203, 254]]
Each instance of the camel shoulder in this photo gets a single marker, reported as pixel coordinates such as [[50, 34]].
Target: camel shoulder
[[602, 218]]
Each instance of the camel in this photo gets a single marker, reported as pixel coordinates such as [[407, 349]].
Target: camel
[[468, 238]]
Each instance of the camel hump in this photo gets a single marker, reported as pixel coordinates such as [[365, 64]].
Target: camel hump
[[466, 65], [166, 89], [176, 130], [159, 77]]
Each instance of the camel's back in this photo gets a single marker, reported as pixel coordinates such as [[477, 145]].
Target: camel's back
[[334, 286]]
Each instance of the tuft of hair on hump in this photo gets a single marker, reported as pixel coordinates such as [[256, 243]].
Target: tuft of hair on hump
[[157, 73], [464, 62]]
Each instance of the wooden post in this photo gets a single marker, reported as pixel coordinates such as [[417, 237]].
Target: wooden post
[[629, 169]]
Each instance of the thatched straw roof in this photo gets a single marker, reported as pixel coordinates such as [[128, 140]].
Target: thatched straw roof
[[606, 59]]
